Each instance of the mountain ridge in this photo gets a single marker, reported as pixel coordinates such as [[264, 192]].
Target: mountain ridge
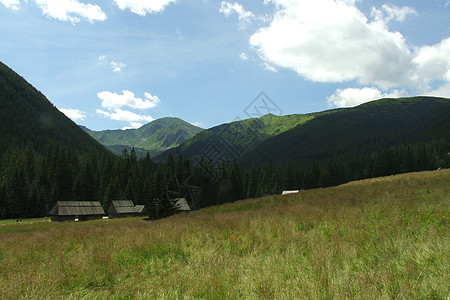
[[237, 137], [363, 129], [154, 137], [249, 139]]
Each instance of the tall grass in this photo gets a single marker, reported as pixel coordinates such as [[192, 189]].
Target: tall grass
[[385, 238]]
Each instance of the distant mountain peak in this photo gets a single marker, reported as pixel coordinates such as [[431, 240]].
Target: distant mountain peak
[[156, 136]]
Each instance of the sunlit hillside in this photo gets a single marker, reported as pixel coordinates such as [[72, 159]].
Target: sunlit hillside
[[384, 238]]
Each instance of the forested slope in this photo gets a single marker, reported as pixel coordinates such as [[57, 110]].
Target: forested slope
[[26, 116], [353, 132]]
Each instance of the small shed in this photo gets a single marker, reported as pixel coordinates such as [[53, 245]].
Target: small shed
[[290, 192], [181, 204], [124, 208], [81, 210]]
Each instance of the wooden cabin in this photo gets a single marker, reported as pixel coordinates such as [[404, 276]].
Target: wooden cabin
[[72, 210], [290, 192], [181, 205], [124, 208]]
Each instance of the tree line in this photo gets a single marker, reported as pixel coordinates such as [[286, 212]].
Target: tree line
[[31, 182]]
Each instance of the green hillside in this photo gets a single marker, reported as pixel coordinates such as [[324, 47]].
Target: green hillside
[[352, 132], [338, 133], [384, 238], [44, 156], [155, 137], [27, 117], [234, 139]]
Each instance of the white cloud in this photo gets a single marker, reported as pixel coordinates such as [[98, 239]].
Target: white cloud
[[143, 7], [127, 116], [355, 96], [73, 114], [12, 4], [243, 56], [270, 68], [71, 10], [113, 102], [227, 8], [441, 91], [152, 99], [115, 66], [136, 125], [332, 41], [388, 13], [433, 63], [127, 98]]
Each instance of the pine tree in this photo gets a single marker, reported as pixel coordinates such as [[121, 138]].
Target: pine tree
[[3, 207]]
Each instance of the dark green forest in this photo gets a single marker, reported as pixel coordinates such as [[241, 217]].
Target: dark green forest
[[32, 182]]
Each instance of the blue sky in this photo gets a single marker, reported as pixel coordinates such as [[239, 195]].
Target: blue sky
[[115, 64]]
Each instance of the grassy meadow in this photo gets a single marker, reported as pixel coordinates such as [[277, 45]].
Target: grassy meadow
[[384, 238]]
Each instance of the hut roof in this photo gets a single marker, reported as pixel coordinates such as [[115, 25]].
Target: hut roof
[[289, 192], [77, 208], [123, 206], [126, 207], [139, 208], [181, 204]]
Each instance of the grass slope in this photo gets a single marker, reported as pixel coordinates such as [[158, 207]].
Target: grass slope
[[384, 238]]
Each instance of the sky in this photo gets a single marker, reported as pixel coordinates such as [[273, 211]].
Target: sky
[[118, 64]]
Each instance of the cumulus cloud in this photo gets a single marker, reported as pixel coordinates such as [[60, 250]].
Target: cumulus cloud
[[243, 56], [332, 41], [127, 116], [12, 4], [127, 98], [441, 91], [388, 13], [433, 63], [114, 102], [228, 8], [143, 7], [71, 10], [115, 66], [270, 68], [355, 96], [73, 114]]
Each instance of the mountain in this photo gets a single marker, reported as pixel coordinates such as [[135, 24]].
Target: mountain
[[345, 133], [357, 131], [233, 139], [28, 117], [155, 137]]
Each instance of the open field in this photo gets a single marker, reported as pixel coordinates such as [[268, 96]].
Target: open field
[[385, 238]]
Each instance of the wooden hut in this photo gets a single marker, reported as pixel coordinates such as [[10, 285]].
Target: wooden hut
[[181, 205], [81, 210], [290, 192], [124, 208]]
